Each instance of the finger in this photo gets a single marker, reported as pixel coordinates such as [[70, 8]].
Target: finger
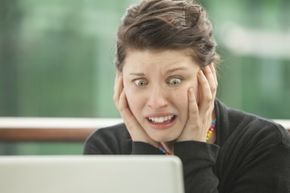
[[211, 79], [126, 113], [123, 106], [192, 126], [118, 87], [193, 110], [206, 93], [212, 67], [134, 128]]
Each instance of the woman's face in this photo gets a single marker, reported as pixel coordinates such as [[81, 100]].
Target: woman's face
[[156, 86]]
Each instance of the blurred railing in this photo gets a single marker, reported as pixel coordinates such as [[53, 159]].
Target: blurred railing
[[50, 129], [60, 129]]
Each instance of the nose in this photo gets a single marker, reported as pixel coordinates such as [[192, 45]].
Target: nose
[[157, 98]]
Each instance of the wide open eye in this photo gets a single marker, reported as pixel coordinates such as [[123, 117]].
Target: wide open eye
[[140, 82], [174, 81]]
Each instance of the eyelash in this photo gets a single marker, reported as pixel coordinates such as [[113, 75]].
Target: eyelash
[[143, 82]]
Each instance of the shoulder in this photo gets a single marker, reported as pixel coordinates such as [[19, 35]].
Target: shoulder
[[253, 149], [109, 140], [257, 129], [250, 128]]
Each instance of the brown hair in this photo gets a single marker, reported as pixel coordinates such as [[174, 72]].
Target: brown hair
[[167, 24]]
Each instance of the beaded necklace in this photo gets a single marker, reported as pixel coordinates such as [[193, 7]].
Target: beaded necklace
[[209, 135], [211, 130]]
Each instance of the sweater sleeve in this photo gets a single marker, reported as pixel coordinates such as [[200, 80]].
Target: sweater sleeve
[[116, 140], [198, 162], [99, 143]]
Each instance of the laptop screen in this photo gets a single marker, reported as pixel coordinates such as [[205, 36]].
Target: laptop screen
[[91, 174]]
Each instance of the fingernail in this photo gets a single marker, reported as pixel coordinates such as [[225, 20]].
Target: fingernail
[[207, 68]]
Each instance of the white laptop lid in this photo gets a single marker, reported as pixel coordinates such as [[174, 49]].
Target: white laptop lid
[[91, 174]]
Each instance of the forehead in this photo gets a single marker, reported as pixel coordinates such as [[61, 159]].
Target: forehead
[[139, 59]]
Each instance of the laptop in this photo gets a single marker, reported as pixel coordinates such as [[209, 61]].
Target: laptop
[[91, 174]]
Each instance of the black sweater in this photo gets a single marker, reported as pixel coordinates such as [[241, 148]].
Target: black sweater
[[251, 154]]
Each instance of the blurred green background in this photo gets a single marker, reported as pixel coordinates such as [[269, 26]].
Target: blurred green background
[[56, 59]]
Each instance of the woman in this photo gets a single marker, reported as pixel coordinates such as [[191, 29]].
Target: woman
[[165, 91]]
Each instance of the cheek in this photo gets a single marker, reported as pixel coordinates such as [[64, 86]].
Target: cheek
[[181, 99], [129, 92], [193, 84], [195, 90], [181, 96], [134, 99]]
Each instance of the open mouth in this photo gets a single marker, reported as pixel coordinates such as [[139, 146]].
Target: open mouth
[[162, 119]]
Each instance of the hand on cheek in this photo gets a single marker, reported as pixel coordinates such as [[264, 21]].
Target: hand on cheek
[[135, 130], [200, 108]]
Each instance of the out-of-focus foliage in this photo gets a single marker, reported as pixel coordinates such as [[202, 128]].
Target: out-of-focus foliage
[[56, 57]]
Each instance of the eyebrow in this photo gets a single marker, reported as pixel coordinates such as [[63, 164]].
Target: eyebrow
[[167, 72], [137, 74], [175, 69]]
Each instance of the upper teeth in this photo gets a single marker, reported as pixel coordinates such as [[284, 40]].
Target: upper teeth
[[160, 119]]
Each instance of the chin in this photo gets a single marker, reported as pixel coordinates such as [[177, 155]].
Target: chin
[[164, 138], [166, 135]]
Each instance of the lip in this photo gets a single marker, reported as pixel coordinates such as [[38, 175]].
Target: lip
[[158, 114], [161, 126]]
